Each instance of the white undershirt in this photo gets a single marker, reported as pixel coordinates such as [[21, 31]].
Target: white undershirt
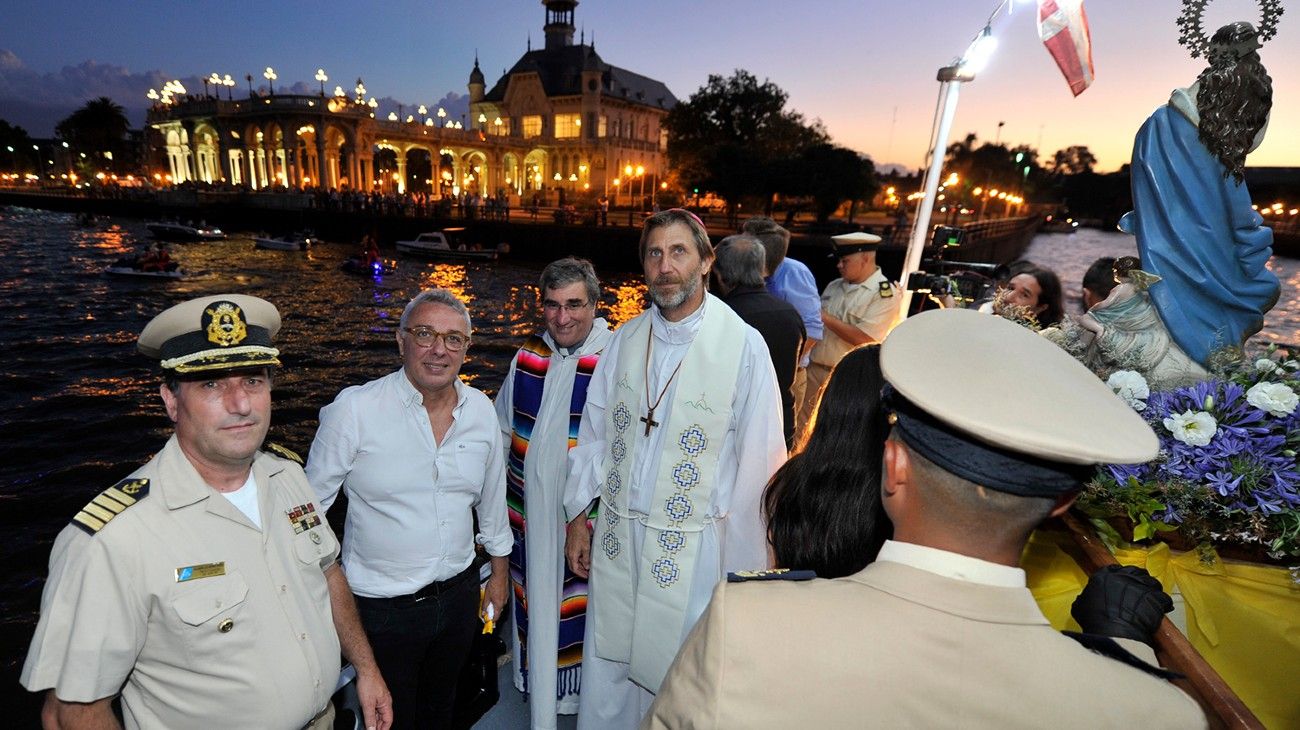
[[245, 498], [952, 565]]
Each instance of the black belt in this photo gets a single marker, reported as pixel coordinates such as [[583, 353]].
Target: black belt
[[433, 589]]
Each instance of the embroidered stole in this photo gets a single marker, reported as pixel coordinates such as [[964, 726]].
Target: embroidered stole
[[531, 364], [641, 614]]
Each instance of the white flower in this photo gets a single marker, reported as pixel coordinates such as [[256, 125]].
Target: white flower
[[1194, 428], [1275, 398], [1130, 386], [1268, 367]]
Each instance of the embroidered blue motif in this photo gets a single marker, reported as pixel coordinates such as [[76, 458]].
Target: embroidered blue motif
[[693, 441], [665, 572], [611, 545], [618, 450], [686, 475], [672, 540], [622, 417], [678, 507], [614, 482]]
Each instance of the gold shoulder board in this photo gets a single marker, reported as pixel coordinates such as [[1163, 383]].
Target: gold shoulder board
[[886, 290], [110, 503], [284, 453]]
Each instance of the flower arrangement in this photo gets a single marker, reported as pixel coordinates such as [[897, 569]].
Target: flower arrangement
[[1227, 473]]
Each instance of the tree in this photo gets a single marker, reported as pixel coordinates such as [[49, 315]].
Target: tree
[[16, 138], [832, 174], [98, 130], [1073, 160], [734, 137]]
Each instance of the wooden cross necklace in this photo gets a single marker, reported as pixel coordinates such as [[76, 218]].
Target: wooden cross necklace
[[649, 418]]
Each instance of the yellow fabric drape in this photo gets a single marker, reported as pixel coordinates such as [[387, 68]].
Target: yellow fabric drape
[[1243, 618]]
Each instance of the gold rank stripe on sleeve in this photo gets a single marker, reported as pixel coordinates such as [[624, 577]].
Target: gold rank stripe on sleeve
[[110, 503], [284, 453]]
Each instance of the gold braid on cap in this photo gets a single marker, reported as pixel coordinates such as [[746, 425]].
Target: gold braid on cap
[[179, 363], [1191, 25]]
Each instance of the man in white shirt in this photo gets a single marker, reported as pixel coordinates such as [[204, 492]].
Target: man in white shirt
[[681, 431], [941, 631], [418, 452]]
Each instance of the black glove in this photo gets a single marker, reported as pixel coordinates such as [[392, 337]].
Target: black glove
[[1122, 603]]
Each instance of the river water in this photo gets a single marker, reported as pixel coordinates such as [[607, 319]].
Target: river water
[[81, 408]]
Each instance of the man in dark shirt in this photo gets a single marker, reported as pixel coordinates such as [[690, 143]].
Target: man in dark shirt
[[738, 275]]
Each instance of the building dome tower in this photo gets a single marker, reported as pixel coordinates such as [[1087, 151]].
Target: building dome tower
[[477, 84], [559, 23]]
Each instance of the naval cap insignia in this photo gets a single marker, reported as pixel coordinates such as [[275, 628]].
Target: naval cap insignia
[[224, 323]]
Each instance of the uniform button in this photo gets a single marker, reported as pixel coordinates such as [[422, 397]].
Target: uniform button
[[302, 636], [318, 683], [225, 626], [283, 589], [315, 537]]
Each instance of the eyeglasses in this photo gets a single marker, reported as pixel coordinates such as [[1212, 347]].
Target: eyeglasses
[[570, 307], [426, 336]]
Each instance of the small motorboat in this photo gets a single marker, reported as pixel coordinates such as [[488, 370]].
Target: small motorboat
[[295, 242], [1058, 224], [132, 266], [173, 231], [357, 265], [437, 245]]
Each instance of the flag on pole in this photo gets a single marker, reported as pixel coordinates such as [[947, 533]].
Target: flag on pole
[[1063, 26]]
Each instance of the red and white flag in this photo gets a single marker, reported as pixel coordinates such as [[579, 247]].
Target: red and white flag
[[1063, 26]]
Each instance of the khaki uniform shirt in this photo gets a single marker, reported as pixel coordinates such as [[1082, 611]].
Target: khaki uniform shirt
[[895, 646], [247, 642], [864, 306]]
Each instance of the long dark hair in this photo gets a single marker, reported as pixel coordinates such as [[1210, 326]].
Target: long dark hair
[[823, 505], [1049, 286], [1234, 98]]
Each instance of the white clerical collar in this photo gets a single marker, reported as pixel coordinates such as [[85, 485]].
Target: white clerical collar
[[951, 565], [678, 333]]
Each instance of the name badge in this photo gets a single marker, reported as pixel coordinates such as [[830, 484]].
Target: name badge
[[194, 572]]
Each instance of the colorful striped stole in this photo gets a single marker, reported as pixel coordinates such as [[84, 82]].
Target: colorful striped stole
[[531, 364]]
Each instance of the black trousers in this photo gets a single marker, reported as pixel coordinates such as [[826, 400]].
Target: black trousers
[[421, 642]]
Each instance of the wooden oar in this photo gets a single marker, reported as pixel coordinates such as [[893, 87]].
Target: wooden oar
[[1221, 705]]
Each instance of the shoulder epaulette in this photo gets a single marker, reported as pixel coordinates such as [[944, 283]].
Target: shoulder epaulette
[[283, 453], [743, 576], [886, 290], [109, 504], [1109, 648]]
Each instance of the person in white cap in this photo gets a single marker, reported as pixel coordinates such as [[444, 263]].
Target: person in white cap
[[859, 307], [941, 631], [205, 587]]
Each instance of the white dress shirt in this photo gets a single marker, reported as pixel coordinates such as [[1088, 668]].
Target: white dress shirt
[[951, 565], [409, 497]]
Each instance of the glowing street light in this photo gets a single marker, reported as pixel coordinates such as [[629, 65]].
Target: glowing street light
[[392, 116], [338, 92], [229, 83], [482, 120], [322, 78], [269, 75], [361, 91], [950, 77]]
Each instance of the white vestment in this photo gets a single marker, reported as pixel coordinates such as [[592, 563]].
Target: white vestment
[[735, 539], [545, 471]]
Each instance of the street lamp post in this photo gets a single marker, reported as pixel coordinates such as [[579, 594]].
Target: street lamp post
[[322, 78], [229, 83], [269, 75], [250, 84], [950, 78]]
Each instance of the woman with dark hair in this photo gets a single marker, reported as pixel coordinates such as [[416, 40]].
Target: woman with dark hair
[[1039, 291], [823, 505]]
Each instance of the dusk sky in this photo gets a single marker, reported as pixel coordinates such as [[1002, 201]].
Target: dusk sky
[[866, 68]]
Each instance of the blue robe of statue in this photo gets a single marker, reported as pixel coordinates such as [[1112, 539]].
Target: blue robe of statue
[[1196, 231]]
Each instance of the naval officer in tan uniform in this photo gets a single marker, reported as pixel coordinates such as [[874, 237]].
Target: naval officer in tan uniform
[[940, 631], [204, 588]]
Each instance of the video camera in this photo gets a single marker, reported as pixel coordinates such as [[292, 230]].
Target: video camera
[[965, 282]]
